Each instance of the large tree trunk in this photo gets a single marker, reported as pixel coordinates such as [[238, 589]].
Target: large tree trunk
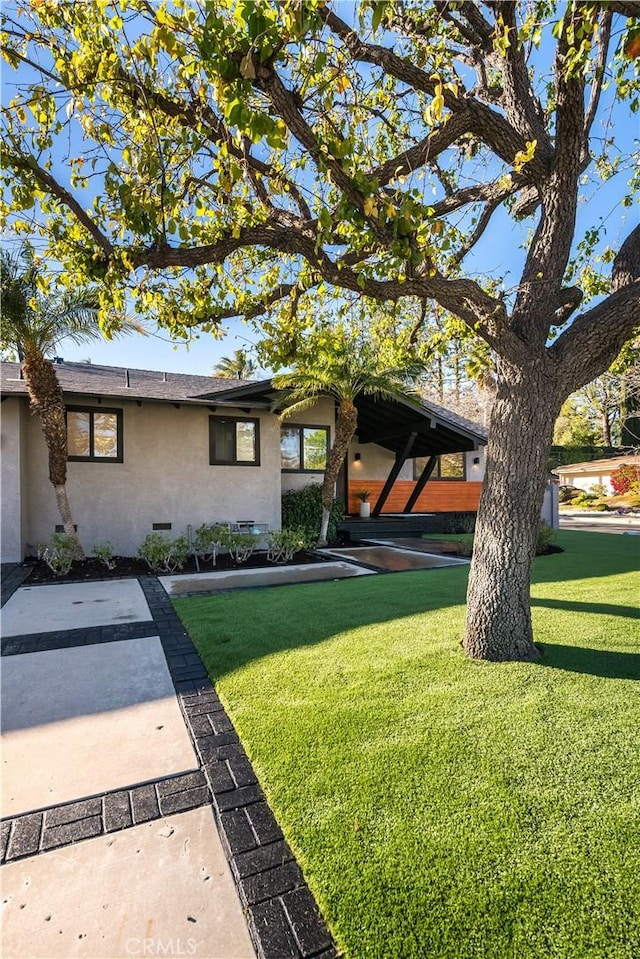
[[47, 402], [346, 423], [498, 625]]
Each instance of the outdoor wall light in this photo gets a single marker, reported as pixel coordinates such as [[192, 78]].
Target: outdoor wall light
[[476, 461], [358, 457]]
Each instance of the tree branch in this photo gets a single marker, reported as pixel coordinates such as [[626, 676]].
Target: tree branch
[[488, 125], [520, 105], [598, 79], [28, 164], [595, 338]]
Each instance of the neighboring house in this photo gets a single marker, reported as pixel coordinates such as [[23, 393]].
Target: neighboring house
[[151, 450], [593, 473]]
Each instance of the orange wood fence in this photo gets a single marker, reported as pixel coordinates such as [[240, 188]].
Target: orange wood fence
[[438, 496]]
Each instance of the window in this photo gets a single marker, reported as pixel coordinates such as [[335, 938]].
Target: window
[[234, 442], [94, 434], [450, 466], [304, 448]]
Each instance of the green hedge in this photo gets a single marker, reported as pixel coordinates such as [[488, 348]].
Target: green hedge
[[302, 509]]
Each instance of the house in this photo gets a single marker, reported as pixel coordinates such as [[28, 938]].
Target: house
[[594, 472], [151, 450]]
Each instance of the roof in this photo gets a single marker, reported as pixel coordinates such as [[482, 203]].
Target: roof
[[388, 423], [120, 383], [597, 466]]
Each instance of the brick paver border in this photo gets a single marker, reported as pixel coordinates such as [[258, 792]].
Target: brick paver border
[[282, 915]]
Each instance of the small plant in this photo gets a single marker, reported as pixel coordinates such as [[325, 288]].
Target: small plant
[[59, 553], [363, 495], [103, 552], [208, 541], [240, 546], [283, 544], [164, 555], [545, 536]]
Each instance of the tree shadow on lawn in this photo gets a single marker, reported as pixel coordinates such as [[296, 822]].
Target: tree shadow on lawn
[[595, 662], [629, 612]]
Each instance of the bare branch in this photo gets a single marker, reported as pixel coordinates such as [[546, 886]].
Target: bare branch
[[420, 154], [520, 104], [598, 79], [595, 338], [488, 125]]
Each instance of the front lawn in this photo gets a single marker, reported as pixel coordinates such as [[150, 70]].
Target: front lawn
[[441, 807]]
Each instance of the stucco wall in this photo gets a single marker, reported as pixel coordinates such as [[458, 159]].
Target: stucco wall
[[11, 425], [165, 478]]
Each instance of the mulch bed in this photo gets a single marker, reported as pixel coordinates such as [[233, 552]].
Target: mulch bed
[[130, 567]]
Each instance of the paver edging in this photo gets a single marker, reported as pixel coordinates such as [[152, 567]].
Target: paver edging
[[12, 577], [282, 914], [29, 834]]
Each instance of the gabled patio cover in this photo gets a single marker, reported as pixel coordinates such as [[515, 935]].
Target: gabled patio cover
[[405, 428]]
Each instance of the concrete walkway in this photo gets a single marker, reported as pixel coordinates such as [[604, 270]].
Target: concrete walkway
[[133, 824]]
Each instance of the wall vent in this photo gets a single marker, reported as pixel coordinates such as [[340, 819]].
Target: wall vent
[[159, 526]]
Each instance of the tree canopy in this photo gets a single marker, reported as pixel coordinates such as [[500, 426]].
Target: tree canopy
[[234, 158], [256, 152]]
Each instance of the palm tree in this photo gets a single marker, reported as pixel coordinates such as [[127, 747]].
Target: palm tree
[[240, 366], [343, 368], [33, 323]]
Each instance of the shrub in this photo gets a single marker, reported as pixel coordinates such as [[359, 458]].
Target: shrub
[[583, 499], [598, 490], [285, 543], [302, 509], [59, 553], [464, 546], [103, 552], [208, 540], [240, 546], [624, 478], [546, 535], [164, 555]]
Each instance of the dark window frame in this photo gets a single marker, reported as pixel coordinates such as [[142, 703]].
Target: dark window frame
[[436, 473], [92, 411], [300, 427], [213, 461]]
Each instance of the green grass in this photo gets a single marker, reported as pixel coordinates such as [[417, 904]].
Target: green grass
[[441, 807]]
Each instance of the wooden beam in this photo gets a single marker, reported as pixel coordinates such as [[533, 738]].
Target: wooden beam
[[370, 435], [395, 472], [420, 485]]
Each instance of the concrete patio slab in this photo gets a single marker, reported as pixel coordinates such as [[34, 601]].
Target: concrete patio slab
[[160, 889], [414, 544], [81, 721], [44, 609], [395, 560], [245, 578]]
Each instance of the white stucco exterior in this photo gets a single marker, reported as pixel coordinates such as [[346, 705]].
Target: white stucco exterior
[[11, 478], [165, 478]]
